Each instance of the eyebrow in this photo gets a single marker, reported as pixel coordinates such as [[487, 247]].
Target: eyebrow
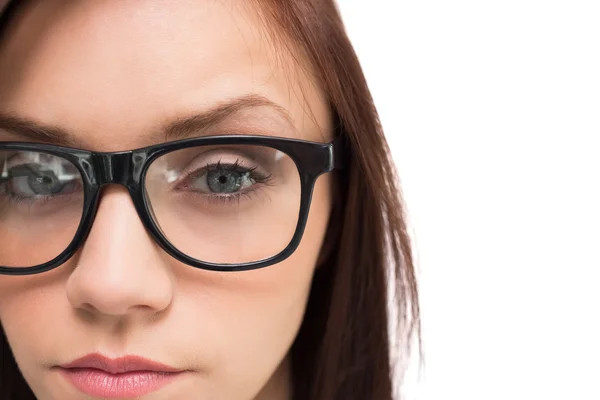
[[34, 131], [178, 129]]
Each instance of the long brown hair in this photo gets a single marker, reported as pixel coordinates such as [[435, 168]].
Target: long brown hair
[[342, 351]]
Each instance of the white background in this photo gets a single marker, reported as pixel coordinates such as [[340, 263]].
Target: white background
[[492, 109]]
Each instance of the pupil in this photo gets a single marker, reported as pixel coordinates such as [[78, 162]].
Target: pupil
[[224, 181], [45, 184]]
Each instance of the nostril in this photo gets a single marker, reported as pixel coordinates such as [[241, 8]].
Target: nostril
[[86, 311], [88, 307]]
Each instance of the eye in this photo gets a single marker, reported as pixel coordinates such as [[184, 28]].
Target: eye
[[222, 179], [29, 183], [35, 176]]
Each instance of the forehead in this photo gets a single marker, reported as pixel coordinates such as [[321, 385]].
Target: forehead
[[112, 71]]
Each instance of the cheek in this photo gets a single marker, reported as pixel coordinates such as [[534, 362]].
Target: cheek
[[20, 298], [29, 310]]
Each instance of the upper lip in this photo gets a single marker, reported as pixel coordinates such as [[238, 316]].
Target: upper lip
[[119, 365]]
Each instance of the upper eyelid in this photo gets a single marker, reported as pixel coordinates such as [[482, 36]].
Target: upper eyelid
[[53, 159], [194, 166], [225, 152]]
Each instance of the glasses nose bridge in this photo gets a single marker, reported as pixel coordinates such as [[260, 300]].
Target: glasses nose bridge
[[113, 168]]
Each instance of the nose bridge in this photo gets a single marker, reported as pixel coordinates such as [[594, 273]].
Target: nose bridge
[[113, 168]]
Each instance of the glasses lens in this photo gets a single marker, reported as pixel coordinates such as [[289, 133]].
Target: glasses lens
[[41, 203], [225, 204]]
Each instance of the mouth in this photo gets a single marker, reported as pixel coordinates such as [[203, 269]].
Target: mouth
[[125, 377]]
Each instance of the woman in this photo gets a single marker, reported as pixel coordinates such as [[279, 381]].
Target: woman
[[159, 161]]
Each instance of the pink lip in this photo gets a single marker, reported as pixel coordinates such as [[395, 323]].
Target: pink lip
[[131, 376]]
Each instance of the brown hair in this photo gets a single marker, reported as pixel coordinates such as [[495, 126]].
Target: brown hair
[[342, 351]]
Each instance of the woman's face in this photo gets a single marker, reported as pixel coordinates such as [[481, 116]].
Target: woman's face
[[112, 73]]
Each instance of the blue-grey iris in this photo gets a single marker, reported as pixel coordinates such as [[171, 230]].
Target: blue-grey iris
[[224, 181], [44, 183]]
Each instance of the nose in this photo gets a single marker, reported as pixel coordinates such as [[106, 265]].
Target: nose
[[119, 270]]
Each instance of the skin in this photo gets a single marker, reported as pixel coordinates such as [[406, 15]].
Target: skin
[[112, 73]]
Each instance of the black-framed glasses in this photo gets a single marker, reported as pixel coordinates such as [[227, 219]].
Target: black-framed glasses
[[222, 203]]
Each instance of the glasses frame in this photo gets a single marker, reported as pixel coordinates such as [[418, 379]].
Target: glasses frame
[[129, 168]]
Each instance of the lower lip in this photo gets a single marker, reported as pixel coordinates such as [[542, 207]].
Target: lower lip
[[98, 383]]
